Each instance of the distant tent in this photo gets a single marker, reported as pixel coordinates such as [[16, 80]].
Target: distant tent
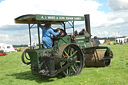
[[126, 40], [102, 41], [6, 47], [121, 40]]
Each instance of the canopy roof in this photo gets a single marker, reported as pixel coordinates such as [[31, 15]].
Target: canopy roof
[[54, 19]]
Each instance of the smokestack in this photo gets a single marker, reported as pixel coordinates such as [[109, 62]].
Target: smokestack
[[87, 23]]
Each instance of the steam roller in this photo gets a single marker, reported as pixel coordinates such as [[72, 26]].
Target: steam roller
[[70, 52]]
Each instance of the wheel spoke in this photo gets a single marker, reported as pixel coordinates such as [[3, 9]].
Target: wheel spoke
[[77, 61], [75, 57], [67, 70], [63, 55], [62, 63], [73, 69], [69, 50], [66, 53], [75, 66], [74, 53]]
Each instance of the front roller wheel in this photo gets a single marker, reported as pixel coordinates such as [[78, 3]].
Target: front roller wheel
[[71, 53], [108, 61]]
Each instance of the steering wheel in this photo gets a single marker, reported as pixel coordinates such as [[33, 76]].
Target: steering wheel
[[62, 34]]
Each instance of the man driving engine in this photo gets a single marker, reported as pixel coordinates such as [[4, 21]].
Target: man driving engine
[[47, 31]]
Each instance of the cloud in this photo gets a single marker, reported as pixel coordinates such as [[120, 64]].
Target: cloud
[[105, 23], [117, 5], [14, 8], [103, 33], [113, 22], [13, 27], [99, 33], [5, 37]]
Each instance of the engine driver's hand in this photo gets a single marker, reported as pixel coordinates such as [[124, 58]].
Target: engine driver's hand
[[62, 34], [59, 31]]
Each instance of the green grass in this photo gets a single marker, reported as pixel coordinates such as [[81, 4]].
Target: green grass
[[12, 73]]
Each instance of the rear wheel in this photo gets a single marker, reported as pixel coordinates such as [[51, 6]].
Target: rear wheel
[[71, 54]]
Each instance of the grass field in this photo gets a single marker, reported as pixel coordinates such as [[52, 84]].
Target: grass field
[[12, 73]]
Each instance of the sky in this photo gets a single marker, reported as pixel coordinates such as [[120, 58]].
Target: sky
[[108, 18]]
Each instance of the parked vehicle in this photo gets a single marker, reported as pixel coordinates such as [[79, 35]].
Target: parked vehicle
[[2, 53]]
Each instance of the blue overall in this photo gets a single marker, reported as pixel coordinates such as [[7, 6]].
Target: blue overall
[[46, 36]]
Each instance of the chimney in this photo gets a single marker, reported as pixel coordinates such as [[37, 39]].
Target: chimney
[[87, 23]]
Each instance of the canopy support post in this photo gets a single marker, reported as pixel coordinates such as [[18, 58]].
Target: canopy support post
[[30, 34], [64, 27], [73, 26], [38, 34]]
